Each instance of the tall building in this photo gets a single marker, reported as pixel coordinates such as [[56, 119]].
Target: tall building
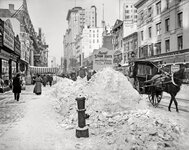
[[128, 14], [117, 32], [41, 53], [91, 17], [163, 31], [77, 18], [92, 39]]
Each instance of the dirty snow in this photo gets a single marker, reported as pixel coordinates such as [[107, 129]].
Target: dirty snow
[[119, 117]]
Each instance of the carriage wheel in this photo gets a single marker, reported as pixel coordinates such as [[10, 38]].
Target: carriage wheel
[[155, 98]]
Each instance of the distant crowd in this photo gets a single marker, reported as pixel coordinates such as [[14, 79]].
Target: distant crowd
[[73, 76], [45, 79]]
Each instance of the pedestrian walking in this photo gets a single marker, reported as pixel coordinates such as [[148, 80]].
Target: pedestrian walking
[[1, 85], [50, 79], [44, 80], [37, 88], [16, 86]]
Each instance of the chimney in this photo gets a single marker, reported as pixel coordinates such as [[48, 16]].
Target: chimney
[[11, 7]]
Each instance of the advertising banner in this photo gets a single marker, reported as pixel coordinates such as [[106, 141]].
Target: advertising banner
[[4, 55], [175, 68], [102, 58], [17, 47], [8, 37], [117, 57], [1, 32]]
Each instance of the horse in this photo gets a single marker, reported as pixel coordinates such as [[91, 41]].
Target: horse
[[171, 85]]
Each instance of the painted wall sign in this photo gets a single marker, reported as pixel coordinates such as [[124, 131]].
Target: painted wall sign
[[117, 57], [4, 55], [175, 68], [8, 37], [102, 58], [17, 46]]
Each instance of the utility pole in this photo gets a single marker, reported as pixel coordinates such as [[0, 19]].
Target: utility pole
[[119, 9], [103, 12]]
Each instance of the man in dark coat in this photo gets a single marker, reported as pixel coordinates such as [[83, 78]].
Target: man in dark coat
[[17, 87], [50, 79], [45, 80]]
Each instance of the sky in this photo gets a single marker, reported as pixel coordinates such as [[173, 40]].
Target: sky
[[50, 15]]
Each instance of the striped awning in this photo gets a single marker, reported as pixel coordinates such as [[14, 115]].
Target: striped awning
[[43, 70]]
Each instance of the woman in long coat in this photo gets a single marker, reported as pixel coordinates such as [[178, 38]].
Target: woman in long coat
[[17, 87], [38, 89]]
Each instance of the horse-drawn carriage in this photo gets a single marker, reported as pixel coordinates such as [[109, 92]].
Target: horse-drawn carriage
[[152, 80]]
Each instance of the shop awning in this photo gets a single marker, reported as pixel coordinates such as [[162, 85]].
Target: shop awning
[[43, 70]]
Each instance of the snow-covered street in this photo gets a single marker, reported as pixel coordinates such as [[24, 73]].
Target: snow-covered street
[[120, 118]]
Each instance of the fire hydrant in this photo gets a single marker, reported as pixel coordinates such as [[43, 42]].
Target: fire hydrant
[[82, 130]]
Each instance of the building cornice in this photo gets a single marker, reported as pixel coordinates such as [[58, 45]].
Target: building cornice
[[75, 9], [139, 3]]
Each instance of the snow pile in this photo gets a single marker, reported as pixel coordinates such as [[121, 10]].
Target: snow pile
[[115, 118], [138, 130], [113, 87], [108, 90]]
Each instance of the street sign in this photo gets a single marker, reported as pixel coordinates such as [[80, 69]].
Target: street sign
[[175, 68]]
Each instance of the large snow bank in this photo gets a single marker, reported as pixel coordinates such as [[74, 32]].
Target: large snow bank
[[115, 118], [108, 90]]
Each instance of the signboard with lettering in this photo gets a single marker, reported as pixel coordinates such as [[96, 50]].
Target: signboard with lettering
[[1, 32], [175, 68], [8, 37], [102, 58], [117, 57], [17, 47], [4, 55]]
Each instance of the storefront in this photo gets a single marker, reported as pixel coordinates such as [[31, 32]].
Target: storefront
[[171, 60], [4, 70], [9, 58]]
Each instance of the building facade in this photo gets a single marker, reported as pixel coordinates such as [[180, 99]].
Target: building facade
[[163, 31], [77, 19], [130, 47], [90, 17], [41, 52], [128, 14], [17, 9], [92, 39], [108, 42], [117, 33], [10, 52]]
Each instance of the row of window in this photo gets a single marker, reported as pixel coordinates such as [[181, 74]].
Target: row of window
[[94, 31], [128, 11], [97, 35], [148, 50], [167, 26], [97, 41], [130, 16], [157, 7]]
